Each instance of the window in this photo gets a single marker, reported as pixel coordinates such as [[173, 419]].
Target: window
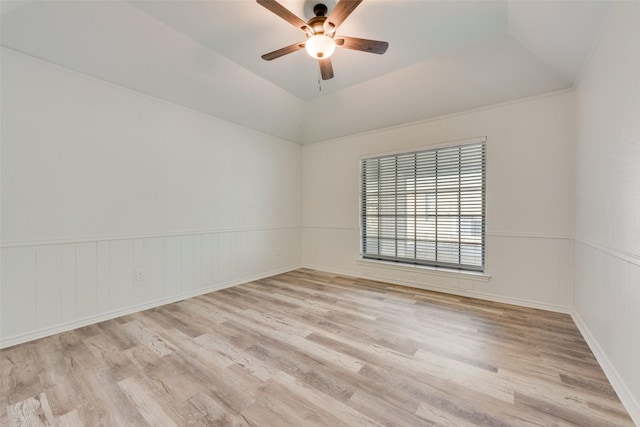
[[425, 207]]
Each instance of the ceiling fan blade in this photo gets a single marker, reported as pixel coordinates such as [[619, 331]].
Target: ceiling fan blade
[[339, 13], [364, 45], [283, 51], [326, 69], [284, 13]]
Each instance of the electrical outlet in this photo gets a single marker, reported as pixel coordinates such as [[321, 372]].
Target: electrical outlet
[[139, 274]]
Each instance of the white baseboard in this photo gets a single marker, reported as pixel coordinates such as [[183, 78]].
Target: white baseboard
[[453, 291], [64, 327], [626, 397]]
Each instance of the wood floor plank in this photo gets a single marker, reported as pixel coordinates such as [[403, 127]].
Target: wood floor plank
[[311, 348], [150, 408], [347, 415], [34, 411]]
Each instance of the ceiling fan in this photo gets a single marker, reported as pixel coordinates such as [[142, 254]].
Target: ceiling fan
[[321, 34]]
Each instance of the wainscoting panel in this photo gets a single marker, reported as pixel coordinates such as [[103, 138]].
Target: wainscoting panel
[[86, 279], [607, 312], [48, 284], [525, 269], [19, 302], [121, 274], [51, 287]]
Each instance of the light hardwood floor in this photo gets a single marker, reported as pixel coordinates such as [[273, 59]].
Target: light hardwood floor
[[309, 348]]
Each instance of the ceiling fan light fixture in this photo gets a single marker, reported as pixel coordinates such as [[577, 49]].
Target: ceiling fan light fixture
[[320, 46]]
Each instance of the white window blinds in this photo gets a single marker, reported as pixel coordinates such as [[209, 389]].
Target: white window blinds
[[425, 207]]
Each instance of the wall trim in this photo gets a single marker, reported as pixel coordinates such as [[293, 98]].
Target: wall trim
[[103, 238], [459, 292], [626, 397], [338, 139], [623, 255], [334, 227], [505, 234], [45, 332]]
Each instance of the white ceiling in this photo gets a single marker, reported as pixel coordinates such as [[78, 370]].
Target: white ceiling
[[443, 56]]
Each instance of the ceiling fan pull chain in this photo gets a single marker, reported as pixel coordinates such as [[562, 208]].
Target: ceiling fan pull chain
[[319, 81]]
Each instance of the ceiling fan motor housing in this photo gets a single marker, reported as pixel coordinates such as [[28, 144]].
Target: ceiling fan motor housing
[[320, 10], [317, 24]]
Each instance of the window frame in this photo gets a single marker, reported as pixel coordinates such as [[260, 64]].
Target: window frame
[[396, 239]]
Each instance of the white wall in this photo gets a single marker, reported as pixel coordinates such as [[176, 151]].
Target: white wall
[[607, 247], [529, 200], [98, 181]]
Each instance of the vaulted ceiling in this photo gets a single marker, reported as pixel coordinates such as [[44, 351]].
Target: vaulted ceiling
[[443, 57]]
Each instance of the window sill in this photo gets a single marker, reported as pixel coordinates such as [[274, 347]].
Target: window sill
[[437, 271]]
